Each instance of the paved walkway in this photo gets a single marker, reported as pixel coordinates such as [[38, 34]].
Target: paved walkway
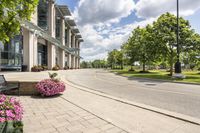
[[56, 115]]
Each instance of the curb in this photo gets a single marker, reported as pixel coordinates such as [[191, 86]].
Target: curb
[[171, 114]]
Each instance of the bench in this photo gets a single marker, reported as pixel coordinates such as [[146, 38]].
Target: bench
[[5, 86]]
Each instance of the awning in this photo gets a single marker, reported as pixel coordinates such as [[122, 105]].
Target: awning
[[78, 36], [73, 49], [64, 10], [75, 30], [71, 22], [81, 40]]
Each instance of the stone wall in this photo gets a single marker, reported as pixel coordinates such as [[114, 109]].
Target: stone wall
[[26, 88]]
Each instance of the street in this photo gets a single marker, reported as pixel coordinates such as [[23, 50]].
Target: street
[[179, 98]]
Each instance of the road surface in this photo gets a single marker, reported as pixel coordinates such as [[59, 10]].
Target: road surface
[[179, 98]]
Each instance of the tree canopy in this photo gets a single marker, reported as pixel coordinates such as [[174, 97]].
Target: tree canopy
[[10, 11], [157, 44], [115, 58]]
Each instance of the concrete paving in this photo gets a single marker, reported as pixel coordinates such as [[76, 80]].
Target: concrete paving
[[180, 98], [57, 115], [54, 114], [130, 118]]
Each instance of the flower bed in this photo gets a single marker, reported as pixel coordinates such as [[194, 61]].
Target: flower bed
[[11, 110], [11, 113], [50, 87]]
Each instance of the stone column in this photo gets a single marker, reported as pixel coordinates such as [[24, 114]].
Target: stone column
[[61, 58], [29, 49], [79, 48], [73, 46], [51, 28], [76, 46], [61, 51], [79, 55], [51, 55], [72, 61], [51, 18], [69, 60], [35, 50], [79, 63]]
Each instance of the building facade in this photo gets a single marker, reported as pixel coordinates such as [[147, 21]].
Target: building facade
[[50, 39]]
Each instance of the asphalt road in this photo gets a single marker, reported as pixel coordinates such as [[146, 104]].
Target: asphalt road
[[180, 98]]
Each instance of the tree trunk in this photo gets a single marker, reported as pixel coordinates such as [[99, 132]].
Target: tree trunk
[[171, 64], [144, 64], [122, 66]]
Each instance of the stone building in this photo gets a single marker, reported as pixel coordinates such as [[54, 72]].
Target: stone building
[[51, 38]]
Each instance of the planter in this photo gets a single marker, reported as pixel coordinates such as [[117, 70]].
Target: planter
[[50, 87], [24, 68], [11, 113], [11, 127]]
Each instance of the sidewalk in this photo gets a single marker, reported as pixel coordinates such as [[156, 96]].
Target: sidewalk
[[130, 118], [81, 111], [56, 115]]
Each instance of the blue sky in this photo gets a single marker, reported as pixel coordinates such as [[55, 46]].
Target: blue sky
[[106, 24]]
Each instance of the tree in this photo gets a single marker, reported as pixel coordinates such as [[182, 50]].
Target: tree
[[10, 12], [84, 64], [140, 46], [119, 58], [111, 59], [192, 51], [165, 29], [128, 54], [115, 57]]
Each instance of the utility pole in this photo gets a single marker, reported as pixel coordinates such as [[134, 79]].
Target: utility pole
[[178, 64]]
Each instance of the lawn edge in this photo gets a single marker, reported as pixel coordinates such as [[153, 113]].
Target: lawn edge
[[154, 79]]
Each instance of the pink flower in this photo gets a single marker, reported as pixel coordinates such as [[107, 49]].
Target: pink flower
[[10, 109], [49, 87], [2, 119], [9, 113]]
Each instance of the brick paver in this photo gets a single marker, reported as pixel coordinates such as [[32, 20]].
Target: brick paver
[[56, 115]]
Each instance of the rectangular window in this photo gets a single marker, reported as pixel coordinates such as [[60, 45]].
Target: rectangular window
[[58, 29], [42, 54], [43, 14], [11, 53]]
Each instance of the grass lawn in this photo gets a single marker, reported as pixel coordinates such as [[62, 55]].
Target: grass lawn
[[191, 76]]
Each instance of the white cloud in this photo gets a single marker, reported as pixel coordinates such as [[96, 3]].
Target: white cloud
[[97, 17], [101, 11], [154, 8], [99, 42]]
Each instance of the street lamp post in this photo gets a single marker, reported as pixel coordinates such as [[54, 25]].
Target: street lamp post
[[178, 63]]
